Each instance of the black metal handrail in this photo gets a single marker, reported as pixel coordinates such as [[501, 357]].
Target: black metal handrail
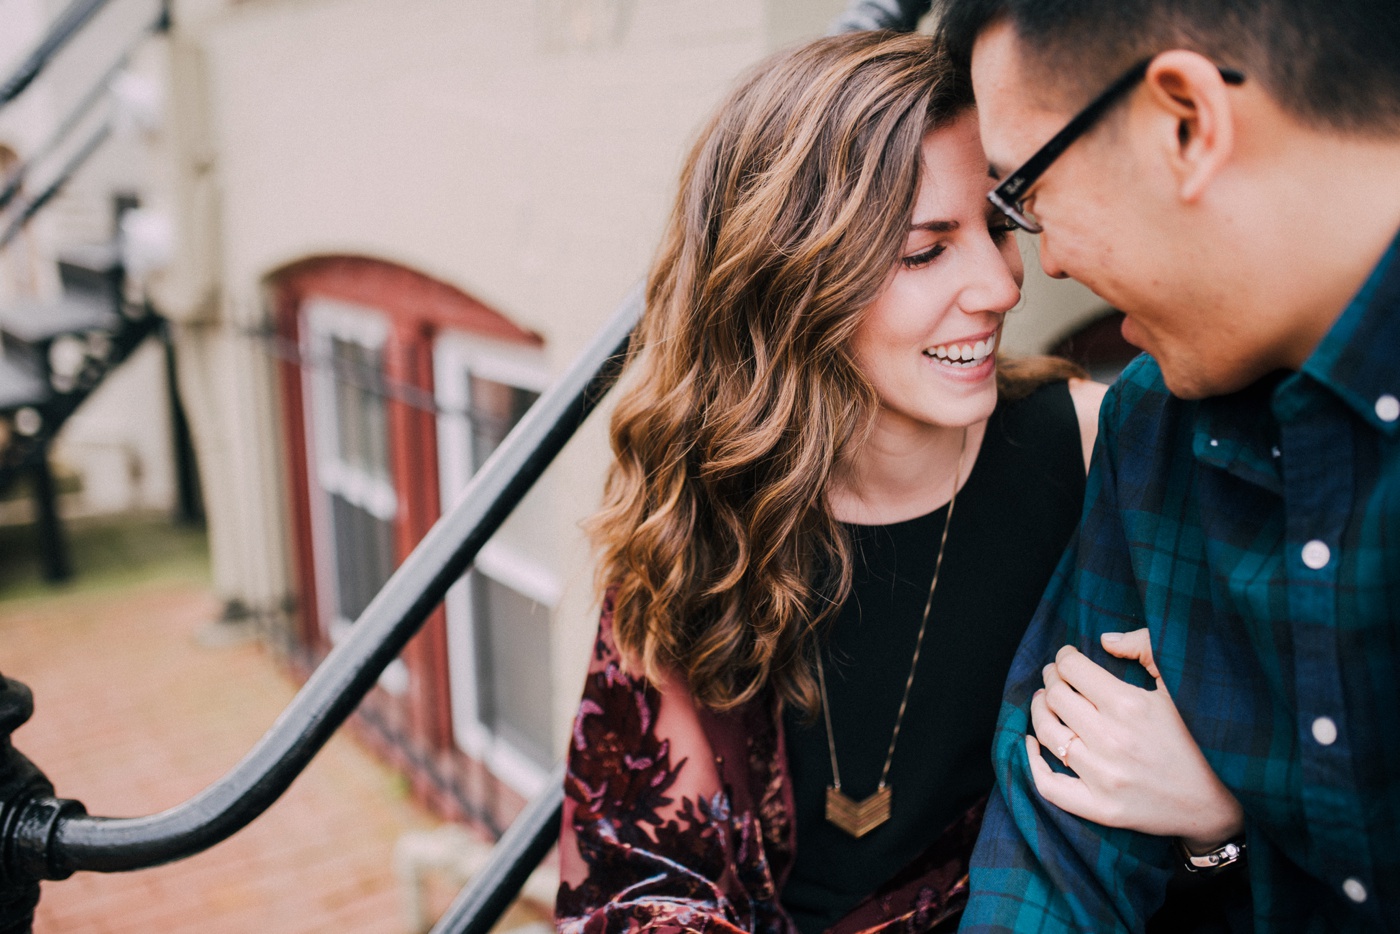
[[100, 88], [49, 838], [70, 168], [898, 15], [69, 23], [534, 831], [14, 181]]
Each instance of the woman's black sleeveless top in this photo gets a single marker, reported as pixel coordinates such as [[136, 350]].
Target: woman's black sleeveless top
[[1012, 520]]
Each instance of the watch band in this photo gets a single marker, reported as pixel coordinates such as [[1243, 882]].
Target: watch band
[[1227, 854]]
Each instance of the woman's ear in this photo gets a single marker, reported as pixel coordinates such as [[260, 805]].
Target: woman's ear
[[1197, 118]]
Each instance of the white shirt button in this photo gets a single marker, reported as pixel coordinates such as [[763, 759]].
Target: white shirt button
[[1387, 408], [1355, 890], [1316, 554], [1275, 451], [1215, 442], [1324, 730]]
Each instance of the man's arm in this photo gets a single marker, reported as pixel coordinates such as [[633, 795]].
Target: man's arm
[[1037, 868]]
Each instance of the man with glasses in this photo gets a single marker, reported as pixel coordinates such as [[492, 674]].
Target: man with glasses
[[1227, 173]]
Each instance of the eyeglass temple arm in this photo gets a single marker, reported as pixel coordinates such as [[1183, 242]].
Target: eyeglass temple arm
[[1011, 188]]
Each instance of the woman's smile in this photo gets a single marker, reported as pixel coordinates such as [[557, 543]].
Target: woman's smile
[[969, 359]]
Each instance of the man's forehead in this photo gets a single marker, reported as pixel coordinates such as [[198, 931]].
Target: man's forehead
[[1009, 102], [996, 83], [996, 57], [1004, 70]]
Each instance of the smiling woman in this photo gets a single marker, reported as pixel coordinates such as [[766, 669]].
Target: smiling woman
[[809, 605]]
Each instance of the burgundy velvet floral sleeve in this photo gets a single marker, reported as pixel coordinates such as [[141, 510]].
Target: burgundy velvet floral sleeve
[[654, 838], [680, 819]]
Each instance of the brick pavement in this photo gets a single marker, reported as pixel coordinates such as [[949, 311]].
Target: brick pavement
[[133, 716]]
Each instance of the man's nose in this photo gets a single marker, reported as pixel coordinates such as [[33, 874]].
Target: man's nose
[[1049, 261]]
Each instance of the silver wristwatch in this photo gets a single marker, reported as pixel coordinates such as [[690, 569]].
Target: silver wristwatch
[[1227, 854]]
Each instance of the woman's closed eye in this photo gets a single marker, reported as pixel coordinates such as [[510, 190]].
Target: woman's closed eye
[[1000, 228], [923, 257]]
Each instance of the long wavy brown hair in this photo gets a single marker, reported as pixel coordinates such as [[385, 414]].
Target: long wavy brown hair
[[716, 542]]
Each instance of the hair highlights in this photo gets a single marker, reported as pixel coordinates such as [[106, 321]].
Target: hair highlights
[[715, 540]]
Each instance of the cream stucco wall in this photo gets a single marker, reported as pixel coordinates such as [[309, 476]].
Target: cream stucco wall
[[523, 152]]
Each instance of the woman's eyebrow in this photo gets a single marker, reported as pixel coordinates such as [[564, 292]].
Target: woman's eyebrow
[[935, 226]]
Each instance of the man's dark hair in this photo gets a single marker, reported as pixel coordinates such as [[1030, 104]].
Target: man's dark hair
[[1332, 64]]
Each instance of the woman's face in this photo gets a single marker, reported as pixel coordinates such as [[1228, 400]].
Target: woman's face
[[927, 344]]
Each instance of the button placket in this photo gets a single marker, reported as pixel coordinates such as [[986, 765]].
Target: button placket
[[1317, 496]]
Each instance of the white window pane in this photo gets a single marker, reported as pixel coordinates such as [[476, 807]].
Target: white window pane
[[364, 556], [495, 410], [361, 525], [512, 653]]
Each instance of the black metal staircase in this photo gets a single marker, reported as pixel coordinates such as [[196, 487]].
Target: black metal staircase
[[54, 354]]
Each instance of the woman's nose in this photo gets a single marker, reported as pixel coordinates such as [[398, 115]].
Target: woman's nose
[[997, 285]]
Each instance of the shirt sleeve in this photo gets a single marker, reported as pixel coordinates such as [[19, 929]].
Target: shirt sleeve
[[644, 842], [1037, 868]]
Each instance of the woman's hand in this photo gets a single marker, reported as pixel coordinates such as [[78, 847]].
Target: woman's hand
[[1137, 764]]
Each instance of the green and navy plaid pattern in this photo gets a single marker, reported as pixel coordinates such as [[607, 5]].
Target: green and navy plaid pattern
[[1258, 536]]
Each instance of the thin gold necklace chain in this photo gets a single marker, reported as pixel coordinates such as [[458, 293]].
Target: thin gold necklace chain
[[918, 644]]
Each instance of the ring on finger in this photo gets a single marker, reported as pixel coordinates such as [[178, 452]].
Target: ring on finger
[[1062, 751]]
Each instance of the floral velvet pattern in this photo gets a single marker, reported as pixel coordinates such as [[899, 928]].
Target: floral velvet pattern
[[679, 819]]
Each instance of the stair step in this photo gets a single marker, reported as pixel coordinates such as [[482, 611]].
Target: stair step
[[19, 384], [36, 322], [93, 269]]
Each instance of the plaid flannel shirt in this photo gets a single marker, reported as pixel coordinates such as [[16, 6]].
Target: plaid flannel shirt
[[1257, 535]]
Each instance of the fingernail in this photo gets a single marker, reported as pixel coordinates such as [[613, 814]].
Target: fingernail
[[1038, 693], [1112, 637]]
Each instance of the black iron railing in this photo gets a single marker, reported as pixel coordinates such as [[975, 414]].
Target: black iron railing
[[483, 900], [63, 30], [45, 838], [68, 24], [898, 15], [42, 837], [95, 94]]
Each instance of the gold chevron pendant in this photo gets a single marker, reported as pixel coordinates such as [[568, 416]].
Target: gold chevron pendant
[[857, 818]]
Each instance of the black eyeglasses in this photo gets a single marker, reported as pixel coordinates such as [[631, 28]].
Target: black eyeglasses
[[1007, 195]]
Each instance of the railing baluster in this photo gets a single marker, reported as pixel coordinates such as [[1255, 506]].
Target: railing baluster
[[99, 89], [480, 904], [69, 23], [70, 168]]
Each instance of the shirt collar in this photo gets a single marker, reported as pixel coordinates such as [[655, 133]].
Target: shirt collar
[[1356, 360], [1238, 433], [1359, 357]]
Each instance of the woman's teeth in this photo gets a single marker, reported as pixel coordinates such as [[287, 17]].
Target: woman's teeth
[[963, 355]]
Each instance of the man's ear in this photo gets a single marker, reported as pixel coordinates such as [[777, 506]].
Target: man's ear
[[1194, 100]]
